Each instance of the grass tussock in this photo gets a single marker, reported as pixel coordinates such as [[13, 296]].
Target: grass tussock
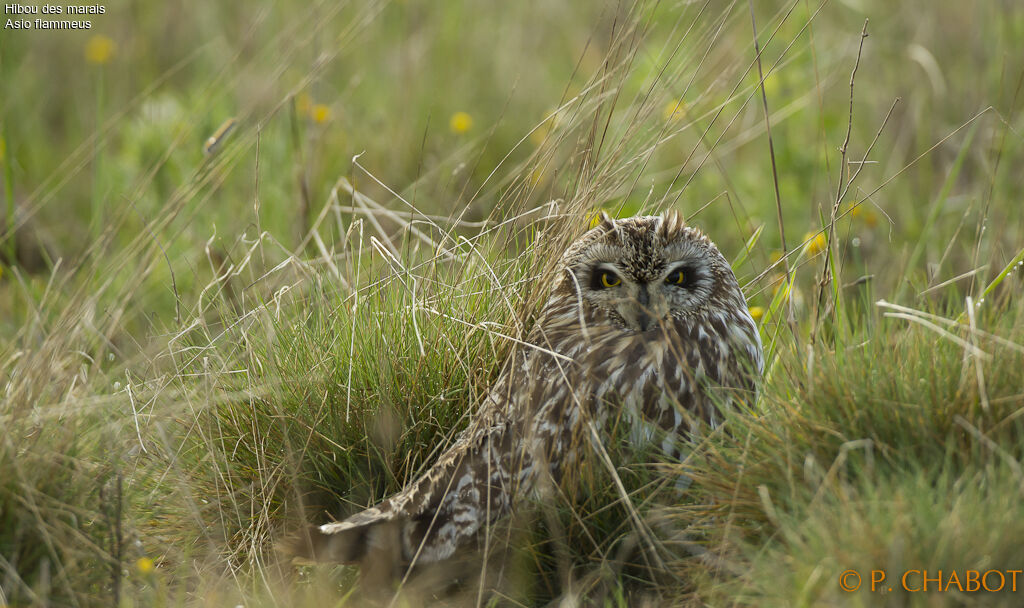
[[899, 453]]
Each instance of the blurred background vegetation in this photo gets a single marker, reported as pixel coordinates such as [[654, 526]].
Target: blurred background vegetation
[[258, 260]]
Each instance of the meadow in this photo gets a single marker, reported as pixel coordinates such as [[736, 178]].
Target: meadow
[[258, 261]]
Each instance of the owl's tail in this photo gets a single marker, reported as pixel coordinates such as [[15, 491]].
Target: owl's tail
[[467, 488], [373, 546], [348, 542], [311, 545]]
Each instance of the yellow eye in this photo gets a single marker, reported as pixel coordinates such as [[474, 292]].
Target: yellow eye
[[609, 280], [676, 277]]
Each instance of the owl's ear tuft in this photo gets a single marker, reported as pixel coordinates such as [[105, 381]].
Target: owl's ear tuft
[[671, 223], [608, 226]]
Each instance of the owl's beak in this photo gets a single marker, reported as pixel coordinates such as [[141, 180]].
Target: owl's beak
[[644, 322], [646, 310], [643, 318]]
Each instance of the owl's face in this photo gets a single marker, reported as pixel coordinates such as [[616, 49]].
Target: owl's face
[[642, 271]]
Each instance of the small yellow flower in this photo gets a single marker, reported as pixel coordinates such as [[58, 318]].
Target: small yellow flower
[[869, 217], [460, 122], [775, 256], [99, 50], [674, 110], [144, 565], [303, 104], [595, 221], [816, 243], [320, 113], [756, 312], [772, 84]]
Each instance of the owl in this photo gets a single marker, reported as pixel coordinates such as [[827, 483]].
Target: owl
[[645, 323]]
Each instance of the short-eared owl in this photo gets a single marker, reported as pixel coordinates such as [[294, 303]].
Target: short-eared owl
[[645, 323]]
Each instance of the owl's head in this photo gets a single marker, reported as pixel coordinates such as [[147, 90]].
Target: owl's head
[[641, 271]]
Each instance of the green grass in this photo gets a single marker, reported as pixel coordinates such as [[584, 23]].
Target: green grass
[[883, 456], [290, 328]]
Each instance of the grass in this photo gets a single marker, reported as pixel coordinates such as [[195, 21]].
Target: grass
[[291, 325]]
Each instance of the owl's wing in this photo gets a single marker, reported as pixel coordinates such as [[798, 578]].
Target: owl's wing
[[470, 486], [467, 488]]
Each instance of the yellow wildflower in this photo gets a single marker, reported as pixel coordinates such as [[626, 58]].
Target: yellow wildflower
[[866, 214], [320, 113], [816, 243], [595, 221], [99, 50], [674, 110], [775, 256], [772, 84], [756, 312], [460, 122], [144, 565]]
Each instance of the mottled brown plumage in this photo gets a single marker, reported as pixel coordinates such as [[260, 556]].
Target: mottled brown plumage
[[645, 323]]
